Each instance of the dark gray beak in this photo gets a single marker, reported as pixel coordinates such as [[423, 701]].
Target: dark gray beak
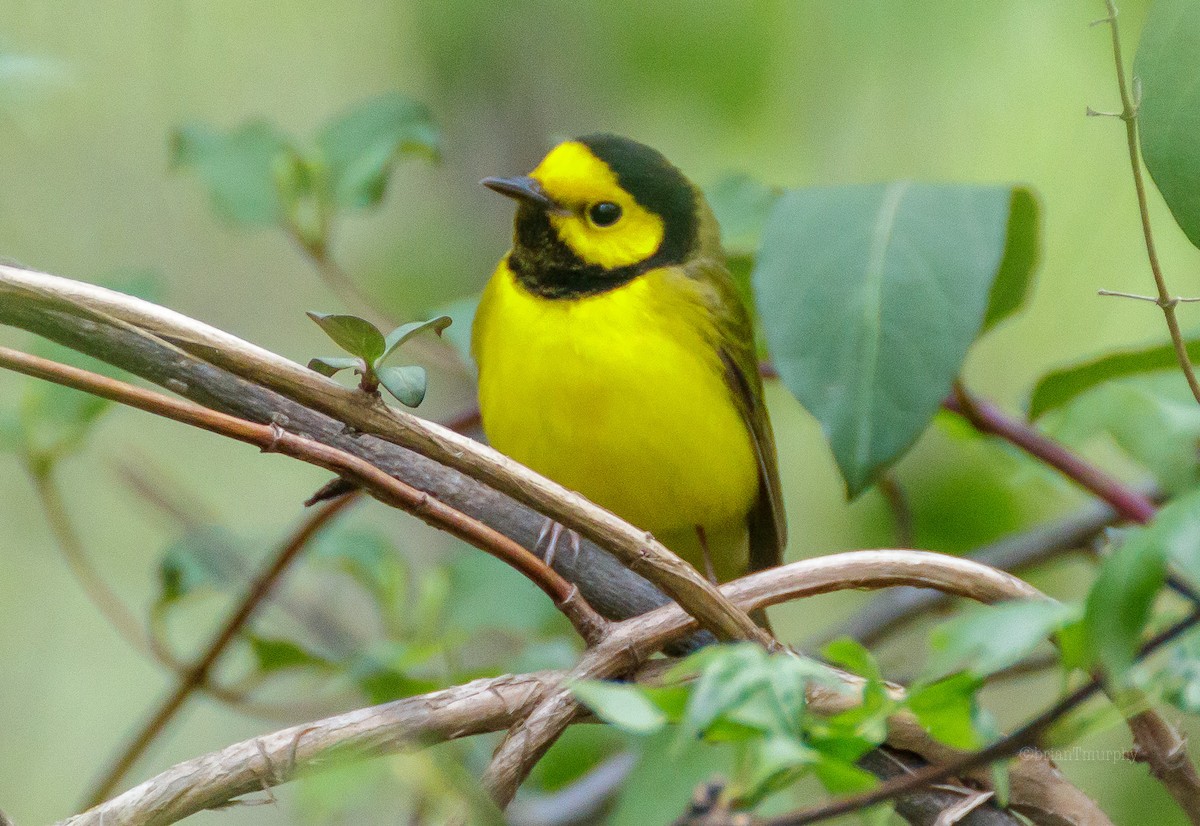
[[522, 188]]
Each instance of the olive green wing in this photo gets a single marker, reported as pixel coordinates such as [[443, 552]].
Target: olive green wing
[[767, 522]]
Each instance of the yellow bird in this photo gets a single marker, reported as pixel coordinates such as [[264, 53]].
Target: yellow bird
[[616, 357]]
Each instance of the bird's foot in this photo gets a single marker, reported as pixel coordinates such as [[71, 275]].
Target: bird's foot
[[548, 538]]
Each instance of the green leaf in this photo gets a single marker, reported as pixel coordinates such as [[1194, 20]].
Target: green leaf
[[462, 315], [353, 334], [332, 365], [1021, 254], [1181, 676], [853, 656], [362, 145], [1169, 111], [622, 705], [946, 709], [1120, 601], [11, 433], [1061, 386], [184, 570], [1153, 419], [1175, 532], [274, 655], [741, 205], [870, 297], [239, 168], [406, 331], [987, 638], [369, 557], [407, 384]]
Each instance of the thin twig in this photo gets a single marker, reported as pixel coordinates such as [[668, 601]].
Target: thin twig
[[199, 672], [1129, 502], [988, 418], [634, 547], [902, 515], [106, 600], [1129, 113], [1006, 746], [214, 779], [273, 439]]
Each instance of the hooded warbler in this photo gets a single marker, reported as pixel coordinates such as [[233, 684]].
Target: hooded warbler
[[616, 357]]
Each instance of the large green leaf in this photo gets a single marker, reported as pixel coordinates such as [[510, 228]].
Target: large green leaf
[[1120, 601], [353, 334], [361, 146], [870, 297], [1169, 113], [741, 205], [1059, 387], [987, 638], [238, 167]]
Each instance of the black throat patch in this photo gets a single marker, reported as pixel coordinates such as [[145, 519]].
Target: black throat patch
[[546, 266]]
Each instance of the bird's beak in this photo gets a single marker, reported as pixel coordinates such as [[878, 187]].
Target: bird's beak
[[522, 188]]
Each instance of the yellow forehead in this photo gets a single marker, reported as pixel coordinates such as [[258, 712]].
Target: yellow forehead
[[571, 174]]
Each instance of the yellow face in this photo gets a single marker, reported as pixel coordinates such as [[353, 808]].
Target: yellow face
[[598, 220]]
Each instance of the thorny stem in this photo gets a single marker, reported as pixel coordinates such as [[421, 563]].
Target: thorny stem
[[1129, 111], [198, 673], [1026, 735]]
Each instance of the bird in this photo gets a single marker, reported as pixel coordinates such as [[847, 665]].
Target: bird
[[616, 357]]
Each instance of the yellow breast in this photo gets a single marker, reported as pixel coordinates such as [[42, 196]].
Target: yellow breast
[[620, 396]]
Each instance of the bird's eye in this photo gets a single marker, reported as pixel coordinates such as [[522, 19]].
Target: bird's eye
[[604, 214]]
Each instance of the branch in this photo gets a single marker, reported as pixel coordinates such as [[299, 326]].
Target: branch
[[1129, 111], [891, 611], [273, 439], [1006, 746], [38, 296], [1131, 503], [988, 418], [491, 705], [604, 582], [197, 675]]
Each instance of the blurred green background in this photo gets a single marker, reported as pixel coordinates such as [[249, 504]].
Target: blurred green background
[[791, 93]]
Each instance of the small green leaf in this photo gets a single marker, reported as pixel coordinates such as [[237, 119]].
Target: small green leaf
[[842, 777], [1176, 529], [853, 656], [462, 314], [1022, 250], [183, 569], [353, 334], [741, 205], [367, 556], [946, 709], [332, 365], [239, 168], [362, 145], [1061, 386], [274, 655], [870, 297], [1120, 601], [1181, 676], [1169, 109], [1153, 419], [406, 331], [622, 705], [407, 384], [987, 638]]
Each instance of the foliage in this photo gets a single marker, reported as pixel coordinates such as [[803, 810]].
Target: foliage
[[1169, 106], [369, 347], [870, 297]]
